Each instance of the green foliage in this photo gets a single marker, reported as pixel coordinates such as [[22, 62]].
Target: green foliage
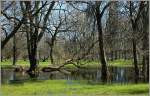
[[71, 88]]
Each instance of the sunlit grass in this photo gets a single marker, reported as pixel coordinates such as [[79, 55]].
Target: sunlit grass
[[88, 64], [8, 63], [117, 63], [72, 88], [121, 62]]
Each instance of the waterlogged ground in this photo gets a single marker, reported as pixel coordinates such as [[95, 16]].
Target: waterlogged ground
[[116, 75], [72, 88], [85, 82]]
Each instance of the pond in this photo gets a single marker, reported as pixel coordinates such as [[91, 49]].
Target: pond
[[116, 75]]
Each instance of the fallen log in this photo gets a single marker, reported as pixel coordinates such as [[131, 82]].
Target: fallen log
[[50, 69]]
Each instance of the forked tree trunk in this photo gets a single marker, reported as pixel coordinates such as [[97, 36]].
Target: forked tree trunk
[[134, 22], [32, 34], [101, 43]]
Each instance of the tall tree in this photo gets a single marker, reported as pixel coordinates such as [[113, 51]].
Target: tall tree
[[99, 15], [14, 42], [134, 23], [17, 26], [145, 46], [33, 31]]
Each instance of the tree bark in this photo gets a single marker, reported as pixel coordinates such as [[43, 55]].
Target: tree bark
[[51, 55], [14, 50], [145, 19], [134, 23], [116, 56], [125, 54], [147, 59], [136, 69], [112, 56], [101, 42], [144, 68], [31, 38]]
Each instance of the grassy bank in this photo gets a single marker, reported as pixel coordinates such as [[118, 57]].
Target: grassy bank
[[72, 88], [88, 64]]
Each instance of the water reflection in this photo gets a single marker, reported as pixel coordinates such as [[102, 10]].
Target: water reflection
[[33, 75], [116, 75]]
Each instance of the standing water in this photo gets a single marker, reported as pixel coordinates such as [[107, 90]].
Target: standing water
[[116, 75]]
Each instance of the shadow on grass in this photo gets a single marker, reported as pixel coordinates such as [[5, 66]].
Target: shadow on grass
[[21, 82], [137, 91]]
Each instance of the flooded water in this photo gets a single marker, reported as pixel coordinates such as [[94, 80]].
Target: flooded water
[[116, 75]]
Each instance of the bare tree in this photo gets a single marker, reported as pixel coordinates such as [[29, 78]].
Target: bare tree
[[134, 22], [145, 24], [99, 15], [34, 34]]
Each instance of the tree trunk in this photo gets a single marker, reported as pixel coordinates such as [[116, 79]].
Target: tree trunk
[[119, 54], [144, 68], [14, 50], [135, 61], [116, 56], [112, 56], [147, 63], [51, 55], [32, 50], [32, 34], [1, 58], [33, 62], [125, 54], [14, 44], [101, 45], [52, 45], [145, 19], [134, 22]]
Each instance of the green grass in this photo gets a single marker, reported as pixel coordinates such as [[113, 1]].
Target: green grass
[[120, 62], [88, 64], [74, 88], [8, 63], [117, 63]]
